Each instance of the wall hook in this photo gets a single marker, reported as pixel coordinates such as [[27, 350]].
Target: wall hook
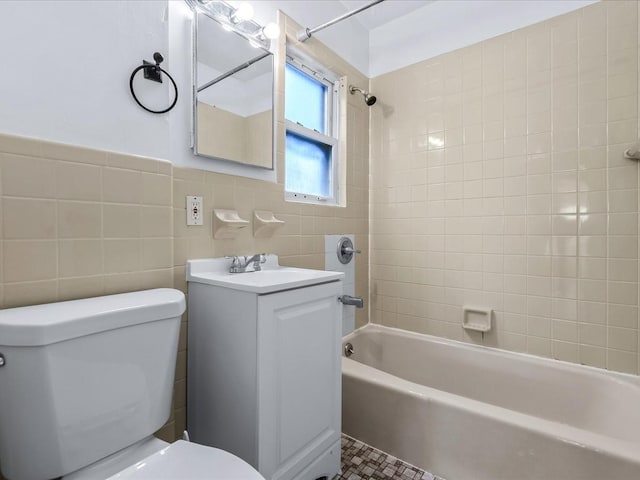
[[153, 72]]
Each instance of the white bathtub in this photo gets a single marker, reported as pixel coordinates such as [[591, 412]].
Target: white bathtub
[[468, 412]]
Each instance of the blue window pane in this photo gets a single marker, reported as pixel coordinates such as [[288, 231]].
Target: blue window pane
[[304, 99], [308, 166]]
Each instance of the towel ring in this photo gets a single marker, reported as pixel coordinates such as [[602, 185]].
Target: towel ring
[[152, 72]]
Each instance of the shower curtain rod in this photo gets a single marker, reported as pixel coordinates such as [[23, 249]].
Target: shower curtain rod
[[233, 71], [305, 34]]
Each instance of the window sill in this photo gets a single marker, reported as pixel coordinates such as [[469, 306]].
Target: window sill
[[310, 199]]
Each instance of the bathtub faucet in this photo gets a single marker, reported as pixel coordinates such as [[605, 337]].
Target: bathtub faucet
[[239, 264], [357, 302]]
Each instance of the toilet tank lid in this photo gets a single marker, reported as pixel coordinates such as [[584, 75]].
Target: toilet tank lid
[[39, 325]]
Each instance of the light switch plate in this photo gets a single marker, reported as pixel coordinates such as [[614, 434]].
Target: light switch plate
[[194, 210]]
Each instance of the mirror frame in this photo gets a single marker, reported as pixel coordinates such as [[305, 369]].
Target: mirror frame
[[194, 96]]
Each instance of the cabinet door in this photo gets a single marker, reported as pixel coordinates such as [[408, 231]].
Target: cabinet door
[[299, 378]]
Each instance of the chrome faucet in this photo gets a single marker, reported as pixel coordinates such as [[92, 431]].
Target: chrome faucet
[[239, 264]]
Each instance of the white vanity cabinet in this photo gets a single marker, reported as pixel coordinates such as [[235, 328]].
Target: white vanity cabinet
[[264, 368]]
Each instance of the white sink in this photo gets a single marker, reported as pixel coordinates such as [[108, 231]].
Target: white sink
[[272, 277]]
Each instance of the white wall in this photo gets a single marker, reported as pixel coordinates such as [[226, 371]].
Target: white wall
[[65, 72], [65, 77], [444, 26], [349, 38], [66, 64]]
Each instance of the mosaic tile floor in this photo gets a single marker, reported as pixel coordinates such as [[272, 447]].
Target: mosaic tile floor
[[362, 462]]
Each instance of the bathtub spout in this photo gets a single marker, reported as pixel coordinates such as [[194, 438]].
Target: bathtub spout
[[357, 302], [348, 349]]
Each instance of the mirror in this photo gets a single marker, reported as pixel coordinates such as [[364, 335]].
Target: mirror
[[233, 95]]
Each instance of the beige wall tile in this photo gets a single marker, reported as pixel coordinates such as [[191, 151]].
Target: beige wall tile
[[156, 189], [121, 186], [30, 293], [167, 433], [75, 181], [27, 176], [121, 283], [24, 218], [165, 167], [181, 365], [79, 219], [155, 278], [626, 362], [182, 342], [623, 339], [539, 168], [156, 221], [182, 189], [134, 162], [120, 220], [29, 260], [156, 253], [20, 145], [179, 279], [78, 258], [180, 421], [121, 255], [593, 356], [72, 153], [80, 287], [180, 394]]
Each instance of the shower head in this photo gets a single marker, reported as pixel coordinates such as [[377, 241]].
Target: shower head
[[368, 98]]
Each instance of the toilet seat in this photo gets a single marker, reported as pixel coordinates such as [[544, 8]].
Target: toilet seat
[[185, 460]]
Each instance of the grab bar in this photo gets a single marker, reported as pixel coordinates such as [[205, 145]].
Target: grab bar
[[357, 302]]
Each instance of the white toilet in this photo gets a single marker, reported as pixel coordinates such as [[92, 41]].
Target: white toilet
[[83, 386]]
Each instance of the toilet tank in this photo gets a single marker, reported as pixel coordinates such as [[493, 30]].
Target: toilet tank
[[83, 379]]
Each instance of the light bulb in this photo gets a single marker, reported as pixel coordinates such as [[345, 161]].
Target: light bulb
[[243, 13], [271, 31]]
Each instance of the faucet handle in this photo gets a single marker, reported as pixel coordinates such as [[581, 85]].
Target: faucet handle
[[258, 258], [235, 263]]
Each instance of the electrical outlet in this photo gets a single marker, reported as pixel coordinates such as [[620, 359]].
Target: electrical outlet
[[194, 210]]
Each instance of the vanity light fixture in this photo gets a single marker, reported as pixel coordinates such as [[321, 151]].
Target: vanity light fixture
[[243, 13], [271, 31], [239, 20]]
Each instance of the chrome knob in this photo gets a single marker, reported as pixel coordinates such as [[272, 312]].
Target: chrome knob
[[346, 250], [2, 360]]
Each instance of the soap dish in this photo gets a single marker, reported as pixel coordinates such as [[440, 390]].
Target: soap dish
[[227, 223], [265, 223], [477, 318]]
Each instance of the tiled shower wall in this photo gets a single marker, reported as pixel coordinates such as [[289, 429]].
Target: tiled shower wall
[[77, 222], [498, 180]]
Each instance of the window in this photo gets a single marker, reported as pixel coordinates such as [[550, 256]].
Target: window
[[311, 150]]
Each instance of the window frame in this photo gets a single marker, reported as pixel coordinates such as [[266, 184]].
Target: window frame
[[332, 128]]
